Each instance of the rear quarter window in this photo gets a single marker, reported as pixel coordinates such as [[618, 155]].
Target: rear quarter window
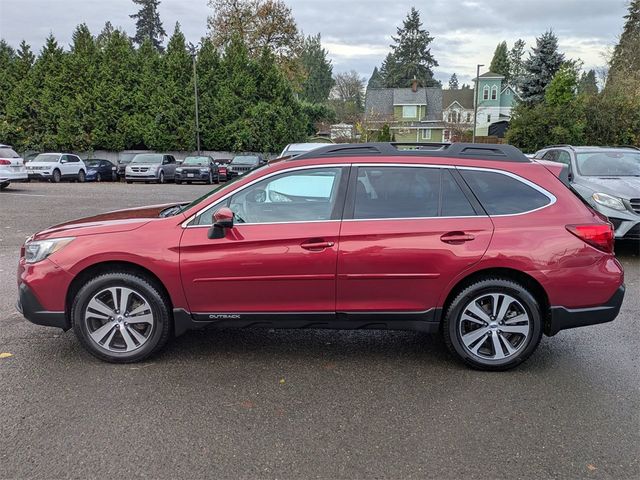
[[501, 194]]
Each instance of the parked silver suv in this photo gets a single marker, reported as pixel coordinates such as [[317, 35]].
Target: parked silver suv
[[151, 167], [606, 177]]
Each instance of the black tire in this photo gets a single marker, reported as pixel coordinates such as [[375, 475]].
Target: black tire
[[160, 330], [56, 177], [129, 182], [178, 182], [4, 185], [81, 176], [161, 177], [98, 177], [452, 324]]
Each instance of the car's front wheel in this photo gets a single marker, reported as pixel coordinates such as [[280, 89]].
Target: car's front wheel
[[161, 177], [120, 317], [493, 324]]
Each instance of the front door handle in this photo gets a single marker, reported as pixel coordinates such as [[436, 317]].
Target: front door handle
[[317, 245], [456, 238]]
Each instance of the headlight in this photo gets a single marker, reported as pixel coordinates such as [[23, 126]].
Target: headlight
[[178, 170], [153, 168], [608, 201], [127, 169], [37, 251]]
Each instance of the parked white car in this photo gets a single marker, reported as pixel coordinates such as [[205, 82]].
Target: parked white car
[[294, 149], [56, 167], [11, 167]]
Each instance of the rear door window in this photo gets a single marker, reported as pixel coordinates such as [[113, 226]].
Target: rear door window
[[502, 194], [454, 203]]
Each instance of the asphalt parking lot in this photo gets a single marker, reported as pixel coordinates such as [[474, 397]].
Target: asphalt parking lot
[[303, 404]]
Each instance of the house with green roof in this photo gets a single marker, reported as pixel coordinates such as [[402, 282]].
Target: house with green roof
[[413, 114]]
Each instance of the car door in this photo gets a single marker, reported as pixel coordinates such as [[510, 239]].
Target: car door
[[280, 256], [564, 157], [67, 167], [407, 232], [169, 166]]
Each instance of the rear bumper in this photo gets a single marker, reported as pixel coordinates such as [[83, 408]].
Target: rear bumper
[[9, 176], [29, 306], [564, 318]]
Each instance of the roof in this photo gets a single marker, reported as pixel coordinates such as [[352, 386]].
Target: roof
[[491, 75], [380, 101], [463, 96], [587, 148]]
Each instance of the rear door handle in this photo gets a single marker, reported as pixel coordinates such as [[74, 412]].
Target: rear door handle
[[456, 238], [317, 245]]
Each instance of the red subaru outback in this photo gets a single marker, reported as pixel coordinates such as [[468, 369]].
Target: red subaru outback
[[476, 241]]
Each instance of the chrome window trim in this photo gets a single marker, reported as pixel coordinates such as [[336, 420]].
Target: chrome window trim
[[185, 224], [552, 198]]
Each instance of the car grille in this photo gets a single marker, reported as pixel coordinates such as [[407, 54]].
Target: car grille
[[195, 171], [635, 204], [240, 169], [139, 169]]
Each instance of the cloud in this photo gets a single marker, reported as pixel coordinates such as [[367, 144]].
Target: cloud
[[357, 34]]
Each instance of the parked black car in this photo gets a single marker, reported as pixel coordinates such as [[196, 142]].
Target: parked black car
[[198, 169], [241, 164], [99, 170]]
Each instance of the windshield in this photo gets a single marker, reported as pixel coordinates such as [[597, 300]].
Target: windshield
[[8, 153], [147, 158], [613, 163], [174, 210], [245, 159], [92, 163], [46, 158], [196, 161]]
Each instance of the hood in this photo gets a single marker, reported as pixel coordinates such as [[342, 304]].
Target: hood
[[142, 164], [623, 187], [41, 164], [111, 222]]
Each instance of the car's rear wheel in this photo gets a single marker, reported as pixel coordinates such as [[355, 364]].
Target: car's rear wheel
[[494, 324], [57, 176], [120, 317]]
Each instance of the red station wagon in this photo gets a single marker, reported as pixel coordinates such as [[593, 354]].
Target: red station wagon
[[477, 241]]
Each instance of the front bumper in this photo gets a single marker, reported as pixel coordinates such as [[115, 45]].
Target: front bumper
[[626, 223], [29, 306], [37, 175], [193, 177], [563, 318], [151, 177]]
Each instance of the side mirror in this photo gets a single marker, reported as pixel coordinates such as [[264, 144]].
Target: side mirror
[[64, 161], [222, 219]]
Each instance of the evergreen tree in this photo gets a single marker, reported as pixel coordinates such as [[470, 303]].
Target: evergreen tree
[[115, 93], [412, 56], [148, 90], [500, 61], [453, 82], [625, 61], [148, 24], [318, 69], [7, 74], [563, 89], [540, 67], [172, 104], [79, 78], [516, 63], [588, 84], [387, 70], [210, 78], [376, 80]]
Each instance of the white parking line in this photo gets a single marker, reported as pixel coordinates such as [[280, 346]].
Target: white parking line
[[24, 194]]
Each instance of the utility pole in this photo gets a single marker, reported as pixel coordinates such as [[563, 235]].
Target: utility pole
[[475, 103], [193, 49]]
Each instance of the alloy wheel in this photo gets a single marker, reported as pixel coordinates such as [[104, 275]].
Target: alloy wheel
[[119, 319], [494, 326]]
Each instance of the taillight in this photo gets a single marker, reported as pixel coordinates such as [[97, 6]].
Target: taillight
[[5, 162], [598, 235]]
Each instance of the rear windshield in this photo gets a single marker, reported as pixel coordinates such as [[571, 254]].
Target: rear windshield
[[147, 158], [609, 164], [500, 194], [8, 153]]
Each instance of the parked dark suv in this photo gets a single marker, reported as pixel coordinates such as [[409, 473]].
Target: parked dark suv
[[477, 241], [198, 169]]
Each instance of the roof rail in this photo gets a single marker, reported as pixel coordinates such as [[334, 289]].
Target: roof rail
[[558, 146], [506, 153], [633, 147]]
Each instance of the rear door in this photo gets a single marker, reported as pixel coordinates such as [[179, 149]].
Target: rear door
[[169, 166], [407, 231]]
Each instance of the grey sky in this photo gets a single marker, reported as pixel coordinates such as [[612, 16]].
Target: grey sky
[[357, 32]]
